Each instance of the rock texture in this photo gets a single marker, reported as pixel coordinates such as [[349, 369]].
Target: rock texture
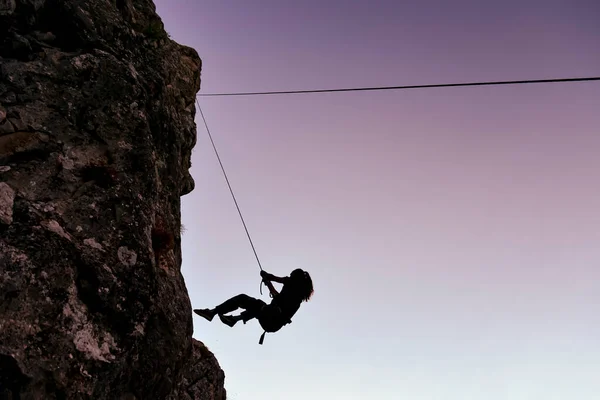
[[96, 131]]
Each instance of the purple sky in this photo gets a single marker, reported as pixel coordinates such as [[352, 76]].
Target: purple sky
[[452, 234]]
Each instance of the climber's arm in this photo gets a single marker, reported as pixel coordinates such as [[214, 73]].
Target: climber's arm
[[270, 277], [278, 279], [272, 289], [268, 280]]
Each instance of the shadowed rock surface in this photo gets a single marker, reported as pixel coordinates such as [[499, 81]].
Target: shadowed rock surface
[[96, 131]]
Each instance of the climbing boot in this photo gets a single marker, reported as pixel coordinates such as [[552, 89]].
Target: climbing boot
[[206, 313], [228, 320]]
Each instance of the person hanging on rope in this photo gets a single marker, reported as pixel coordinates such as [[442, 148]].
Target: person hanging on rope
[[272, 317]]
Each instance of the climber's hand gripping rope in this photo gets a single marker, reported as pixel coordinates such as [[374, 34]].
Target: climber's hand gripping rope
[[266, 279]]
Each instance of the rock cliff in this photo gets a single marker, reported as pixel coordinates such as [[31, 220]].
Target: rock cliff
[[96, 132]]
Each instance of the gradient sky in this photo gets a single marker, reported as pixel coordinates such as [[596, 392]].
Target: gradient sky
[[452, 234]]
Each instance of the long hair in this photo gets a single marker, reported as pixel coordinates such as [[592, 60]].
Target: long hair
[[305, 285]]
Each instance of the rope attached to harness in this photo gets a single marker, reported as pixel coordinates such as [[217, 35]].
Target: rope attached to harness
[[262, 337], [230, 189], [229, 185]]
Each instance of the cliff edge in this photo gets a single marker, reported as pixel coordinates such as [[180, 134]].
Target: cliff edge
[[96, 132]]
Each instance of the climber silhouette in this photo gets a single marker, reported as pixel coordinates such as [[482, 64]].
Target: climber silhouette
[[272, 317]]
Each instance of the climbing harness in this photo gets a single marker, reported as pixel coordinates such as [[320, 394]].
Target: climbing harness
[[274, 323]]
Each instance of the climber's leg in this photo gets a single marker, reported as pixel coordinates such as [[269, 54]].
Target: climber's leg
[[251, 306], [240, 301], [245, 316]]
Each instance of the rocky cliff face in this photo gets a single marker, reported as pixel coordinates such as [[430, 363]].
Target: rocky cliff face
[[96, 131]]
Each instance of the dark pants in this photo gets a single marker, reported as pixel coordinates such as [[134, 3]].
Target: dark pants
[[251, 306]]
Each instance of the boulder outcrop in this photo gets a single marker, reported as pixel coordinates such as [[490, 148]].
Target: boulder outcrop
[[96, 132]]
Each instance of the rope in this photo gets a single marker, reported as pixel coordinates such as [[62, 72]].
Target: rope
[[230, 189], [441, 85]]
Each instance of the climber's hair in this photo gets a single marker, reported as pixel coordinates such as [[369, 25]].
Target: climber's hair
[[309, 288], [305, 283]]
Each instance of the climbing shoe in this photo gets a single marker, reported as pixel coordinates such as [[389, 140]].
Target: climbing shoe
[[228, 320], [206, 313]]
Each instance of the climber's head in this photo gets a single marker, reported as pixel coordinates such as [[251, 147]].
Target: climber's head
[[304, 283]]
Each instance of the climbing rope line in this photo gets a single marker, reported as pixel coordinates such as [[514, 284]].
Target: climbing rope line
[[229, 185], [440, 85]]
